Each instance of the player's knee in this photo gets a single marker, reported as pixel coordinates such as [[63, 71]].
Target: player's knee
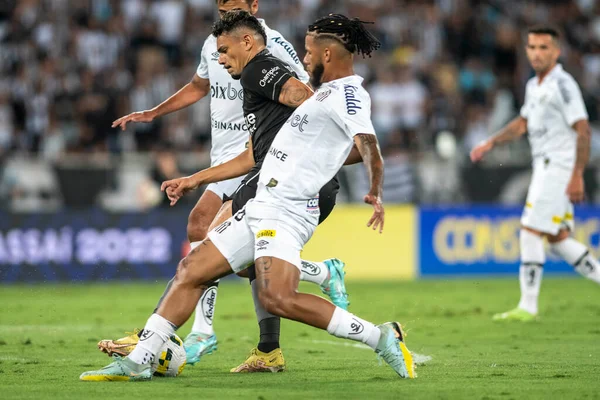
[[243, 273], [276, 302], [559, 237], [188, 273], [197, 227]]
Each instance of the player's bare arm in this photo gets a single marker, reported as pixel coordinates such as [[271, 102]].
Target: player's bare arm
[[368, 147], [512, 131], [196, 89], [293, 93], [354, 157], [238, 166], [576, 188]]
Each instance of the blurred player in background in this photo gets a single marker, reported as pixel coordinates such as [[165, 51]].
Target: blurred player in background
[[556, 120], [229, 135]]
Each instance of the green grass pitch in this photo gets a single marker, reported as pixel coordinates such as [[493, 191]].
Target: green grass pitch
[[48, 336]]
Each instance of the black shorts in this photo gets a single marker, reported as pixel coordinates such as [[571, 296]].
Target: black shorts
[[247, 191]]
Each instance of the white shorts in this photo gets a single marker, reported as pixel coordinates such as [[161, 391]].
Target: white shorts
[[225, 188], [261, 230], [548, 208]]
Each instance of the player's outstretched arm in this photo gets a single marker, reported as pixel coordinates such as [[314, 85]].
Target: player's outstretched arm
[[238, 166], [368, 147], [512, 131], [294, 92], [576, 188], [196, 89]]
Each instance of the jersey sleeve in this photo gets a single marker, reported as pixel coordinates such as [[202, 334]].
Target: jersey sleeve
[[265, 78], [354, 112], [571, 100], [525, 107], [202, 70], [284, 50]]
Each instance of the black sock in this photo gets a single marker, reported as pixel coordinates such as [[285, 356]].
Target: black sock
[[269, 327], [164, 294], [269, 334]]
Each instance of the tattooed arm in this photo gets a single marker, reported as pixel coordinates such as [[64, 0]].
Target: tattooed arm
[[293, 93], [368, 147]]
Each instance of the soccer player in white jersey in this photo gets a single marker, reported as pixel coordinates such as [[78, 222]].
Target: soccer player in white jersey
[[274, 226], [229, 135], [556, 120]]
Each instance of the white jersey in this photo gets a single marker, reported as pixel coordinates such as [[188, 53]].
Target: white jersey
[[551, 108], [229, 132], [313, 144]]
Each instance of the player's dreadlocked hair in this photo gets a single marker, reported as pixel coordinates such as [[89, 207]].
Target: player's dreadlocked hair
[[350, 32], [235, 19]]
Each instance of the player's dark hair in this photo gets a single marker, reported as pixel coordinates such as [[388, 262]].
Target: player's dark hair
[[545, 30], [223, 2], [350, 32], [235, 19]]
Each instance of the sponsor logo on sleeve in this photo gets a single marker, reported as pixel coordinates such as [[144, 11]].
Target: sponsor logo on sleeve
[[268, 76], [312, 206], [287, 47], [352, 103]]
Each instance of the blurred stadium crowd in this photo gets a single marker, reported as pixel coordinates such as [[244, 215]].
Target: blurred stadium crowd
[[449, 73]]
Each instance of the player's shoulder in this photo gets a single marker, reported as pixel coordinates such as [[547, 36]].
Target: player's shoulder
[[564, 78], [279, 45], [348, 95], [210, 43]]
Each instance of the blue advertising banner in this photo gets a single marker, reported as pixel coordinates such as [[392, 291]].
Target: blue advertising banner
[[91, 245], [485, 240]]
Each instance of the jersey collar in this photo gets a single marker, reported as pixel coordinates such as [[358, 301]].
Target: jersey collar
[[359, 80]]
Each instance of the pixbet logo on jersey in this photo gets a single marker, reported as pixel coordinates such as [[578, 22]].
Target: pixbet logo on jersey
[[226, 92], [298, 121], [352, 103]]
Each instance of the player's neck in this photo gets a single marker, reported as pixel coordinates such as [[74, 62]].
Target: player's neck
[[545, 73], [254, 52], [337, 72]]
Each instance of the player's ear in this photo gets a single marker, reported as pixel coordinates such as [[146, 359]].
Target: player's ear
[[254, 7], [327, 55], [248, 41]]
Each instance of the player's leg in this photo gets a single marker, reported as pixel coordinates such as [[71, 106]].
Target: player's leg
[[277, 282], [277, 276], [540, 218], [329, 274], [574, 252], [202, 339], [206, 263]]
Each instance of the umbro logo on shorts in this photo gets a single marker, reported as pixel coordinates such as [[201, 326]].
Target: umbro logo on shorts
[[262, 245]]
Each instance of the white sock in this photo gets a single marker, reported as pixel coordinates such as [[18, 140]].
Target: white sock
[[349, 326], [156, 332], [530, 273], [576, 254], [314, 271], [205, 311], [193, 245]]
